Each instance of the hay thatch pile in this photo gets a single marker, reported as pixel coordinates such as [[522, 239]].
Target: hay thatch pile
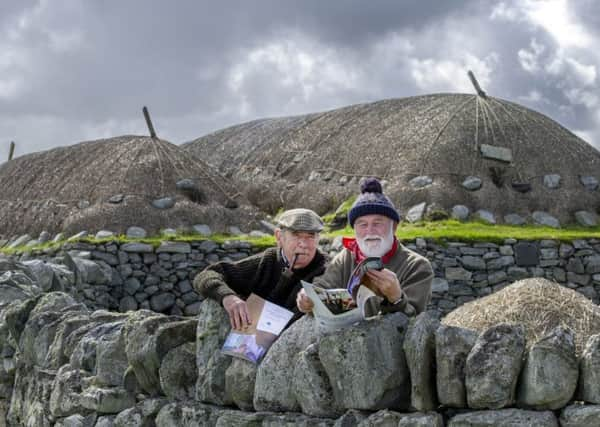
[[398, 139], [70, 188], [538, 304]]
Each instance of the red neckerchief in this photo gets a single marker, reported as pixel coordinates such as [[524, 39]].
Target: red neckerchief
[[351, 244]]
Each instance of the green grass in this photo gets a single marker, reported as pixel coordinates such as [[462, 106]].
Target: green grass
[[481, 232], [342, 209], [449, 230]]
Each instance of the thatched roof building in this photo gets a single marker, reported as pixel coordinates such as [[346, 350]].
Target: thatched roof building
[[316, 160], [112, 184]]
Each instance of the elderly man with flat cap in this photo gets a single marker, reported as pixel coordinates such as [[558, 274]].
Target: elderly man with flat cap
[[274, 275], [404, 283]]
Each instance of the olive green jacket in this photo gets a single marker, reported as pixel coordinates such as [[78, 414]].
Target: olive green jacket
[[414, 273]]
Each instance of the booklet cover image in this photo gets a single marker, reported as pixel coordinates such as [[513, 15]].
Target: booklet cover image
[[268, 320]]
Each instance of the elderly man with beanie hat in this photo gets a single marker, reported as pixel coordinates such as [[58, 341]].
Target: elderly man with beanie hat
[[274, 274], [404, 284]]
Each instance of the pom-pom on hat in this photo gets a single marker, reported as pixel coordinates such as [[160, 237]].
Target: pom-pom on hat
[[372, 201]]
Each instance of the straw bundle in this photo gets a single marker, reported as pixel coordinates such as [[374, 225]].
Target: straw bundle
[[538, 304]]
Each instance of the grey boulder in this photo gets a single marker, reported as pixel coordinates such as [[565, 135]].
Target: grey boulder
[[504, 418], [311, 385], [273, 390], [419, 349], [549, 376], [362, 378], [589, 371], [493, 367], [452, 346], [577, 415]]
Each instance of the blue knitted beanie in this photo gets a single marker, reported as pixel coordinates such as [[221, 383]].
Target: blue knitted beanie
[[372, 201]]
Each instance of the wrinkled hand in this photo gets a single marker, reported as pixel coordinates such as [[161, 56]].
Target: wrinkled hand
[[237, 310], [303, 302], [387, 284]]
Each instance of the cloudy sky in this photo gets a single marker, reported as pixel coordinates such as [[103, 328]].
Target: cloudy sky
[[75, 70]]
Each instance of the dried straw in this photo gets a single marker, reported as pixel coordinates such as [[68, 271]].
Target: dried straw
[[538, 304]]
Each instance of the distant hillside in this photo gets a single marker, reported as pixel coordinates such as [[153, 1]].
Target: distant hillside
[[316, 160]]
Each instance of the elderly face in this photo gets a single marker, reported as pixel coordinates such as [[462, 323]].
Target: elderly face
[[374, 234], [298, 245]]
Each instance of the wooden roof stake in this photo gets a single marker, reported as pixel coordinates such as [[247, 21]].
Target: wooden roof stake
[[149, 122], [11, 150], [475, 83]]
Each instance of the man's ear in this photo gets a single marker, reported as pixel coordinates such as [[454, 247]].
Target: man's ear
[[278, 236], [395, 227]]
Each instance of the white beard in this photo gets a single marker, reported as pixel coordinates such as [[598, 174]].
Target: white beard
[[376, 246]]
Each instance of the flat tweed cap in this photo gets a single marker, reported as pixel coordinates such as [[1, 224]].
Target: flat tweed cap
[[300, 220]]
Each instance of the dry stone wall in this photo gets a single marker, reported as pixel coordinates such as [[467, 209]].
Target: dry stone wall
[[133, 276], [66, 365]]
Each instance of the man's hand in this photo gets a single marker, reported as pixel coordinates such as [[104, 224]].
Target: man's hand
[[304, 303], [237, 310], [386, 283]]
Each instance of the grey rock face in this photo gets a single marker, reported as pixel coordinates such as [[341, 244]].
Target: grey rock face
[[416, 213], [439, 285], [580, 416], [457, 273], [421, 420], [419, 349], [589, 182], [504, 418], [162, 302], [93, 272], [473, 262], [149, 340], [498, 153], [178, 372], [514, 219], [383, 418], [589, 371], [421, 181], [202, 229], [240, 379], [362, 378], [107, 400], [136, 232], [452, 346], [111, 358], [213, 327], [174, 248], [487, 385], [31, 396], [311, 385], [460, 212], [274, 391], [586, 218], [65, 398], [544, 218], [472, 183], [137, 247], [164, 203], [19, 241], [44, 274], [485, 216], [104, 234], [552, 181], [550, 372]]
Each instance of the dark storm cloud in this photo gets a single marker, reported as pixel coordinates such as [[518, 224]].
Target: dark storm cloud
[[76, 70]]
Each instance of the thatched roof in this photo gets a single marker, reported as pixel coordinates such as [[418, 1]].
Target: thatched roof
[[398, 139], [69, 188], [538, 304]]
